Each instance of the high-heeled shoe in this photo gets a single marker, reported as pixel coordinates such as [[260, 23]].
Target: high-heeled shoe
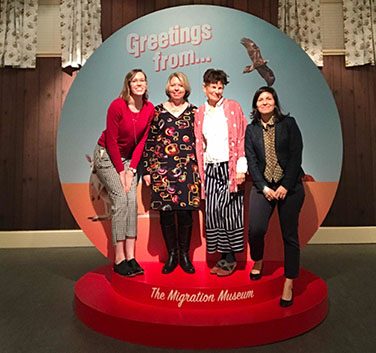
[[256, 276], [286, 303]]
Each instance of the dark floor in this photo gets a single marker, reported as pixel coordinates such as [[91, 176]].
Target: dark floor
[[36, 313]]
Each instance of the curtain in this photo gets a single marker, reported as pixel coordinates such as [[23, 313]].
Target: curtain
[[300, 20], [18, 33], [359, 31], [80, 25]]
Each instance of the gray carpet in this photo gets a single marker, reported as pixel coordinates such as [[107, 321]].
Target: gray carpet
[[36, 313]]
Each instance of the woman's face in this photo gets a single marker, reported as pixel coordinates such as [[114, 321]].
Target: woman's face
[[138, 84], [265, 104], [176, 89], [214, 92]]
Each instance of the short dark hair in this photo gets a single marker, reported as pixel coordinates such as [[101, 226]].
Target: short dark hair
[[213, 76]]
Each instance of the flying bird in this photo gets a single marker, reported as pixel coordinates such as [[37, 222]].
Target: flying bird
[[258, 63]]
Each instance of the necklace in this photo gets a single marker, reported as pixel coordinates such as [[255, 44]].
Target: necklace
[[134, 114], [176, 109]]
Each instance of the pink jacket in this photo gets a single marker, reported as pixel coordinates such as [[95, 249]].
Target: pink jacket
[[237, 124]]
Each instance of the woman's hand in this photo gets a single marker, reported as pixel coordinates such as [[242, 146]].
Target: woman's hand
[[122, 178], [129, 175], [280, 193], [269, 193], [126, 178], [240, 178], [147, 180]]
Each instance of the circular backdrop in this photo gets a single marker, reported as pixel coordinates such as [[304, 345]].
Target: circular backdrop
[[192, 39]]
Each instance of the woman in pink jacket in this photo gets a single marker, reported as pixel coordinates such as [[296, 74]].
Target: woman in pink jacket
[[219, 128]]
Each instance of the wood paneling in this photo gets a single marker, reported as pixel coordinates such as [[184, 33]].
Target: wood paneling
[[30, 106], [31, 102], [355, 95]]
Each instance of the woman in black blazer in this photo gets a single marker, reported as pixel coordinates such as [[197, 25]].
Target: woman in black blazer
[[274, 145]]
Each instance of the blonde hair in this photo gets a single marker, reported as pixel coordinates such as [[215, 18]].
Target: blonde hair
[[183, 79], [126, 92]]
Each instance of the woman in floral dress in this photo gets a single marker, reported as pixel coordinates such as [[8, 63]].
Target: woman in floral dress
[[172, 171]]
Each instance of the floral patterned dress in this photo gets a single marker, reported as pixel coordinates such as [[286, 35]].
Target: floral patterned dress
[[170, 159]]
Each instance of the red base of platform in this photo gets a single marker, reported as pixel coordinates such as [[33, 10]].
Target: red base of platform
[[200, 311]]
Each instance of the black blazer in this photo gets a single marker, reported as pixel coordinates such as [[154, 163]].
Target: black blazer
[[288, 146]]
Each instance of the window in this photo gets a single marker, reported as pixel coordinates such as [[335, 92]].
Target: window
[[48, 33], [332, 27]]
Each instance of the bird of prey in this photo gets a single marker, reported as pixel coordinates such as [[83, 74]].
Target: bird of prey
[[258, 63]]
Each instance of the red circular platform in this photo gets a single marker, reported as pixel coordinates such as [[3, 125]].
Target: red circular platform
[[200, 311]]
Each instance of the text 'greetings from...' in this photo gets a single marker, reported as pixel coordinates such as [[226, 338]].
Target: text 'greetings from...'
[[175, 36]]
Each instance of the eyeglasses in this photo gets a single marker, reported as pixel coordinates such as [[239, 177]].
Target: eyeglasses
[[134, 82]]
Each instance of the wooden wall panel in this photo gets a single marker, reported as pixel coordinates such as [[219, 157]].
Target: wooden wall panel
[[354, 92], [117, 13], [18, 141], [31, 102], [7, 135], [30, 107], [30, 157], [372, 132]]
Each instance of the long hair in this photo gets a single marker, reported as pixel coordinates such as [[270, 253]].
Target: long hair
[[126, 91], [184, 81], [255, 114]]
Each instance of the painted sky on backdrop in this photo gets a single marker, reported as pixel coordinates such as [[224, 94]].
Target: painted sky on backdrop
[[192, 39]]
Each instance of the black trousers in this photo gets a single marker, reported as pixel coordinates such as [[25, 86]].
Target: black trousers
[[260, 211]]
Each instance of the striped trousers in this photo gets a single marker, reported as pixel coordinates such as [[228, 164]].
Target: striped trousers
[[224, 220], [123, 205]]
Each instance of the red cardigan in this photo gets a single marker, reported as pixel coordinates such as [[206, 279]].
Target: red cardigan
[[126, 132], [237, 124]]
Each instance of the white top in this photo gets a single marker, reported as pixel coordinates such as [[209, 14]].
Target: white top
[[215, 131]]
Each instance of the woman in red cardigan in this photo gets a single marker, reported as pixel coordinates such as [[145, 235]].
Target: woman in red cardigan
[[116, 158], [219, 128]]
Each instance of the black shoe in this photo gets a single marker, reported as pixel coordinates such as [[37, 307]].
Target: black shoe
[[124, 269], [185, 263], [135, 267], [255, 276], [171, 262], [286, 303]]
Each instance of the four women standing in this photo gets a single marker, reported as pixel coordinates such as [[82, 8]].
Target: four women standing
[[273, 149]]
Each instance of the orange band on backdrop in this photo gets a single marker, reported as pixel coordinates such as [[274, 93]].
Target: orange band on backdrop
[[150, 245]]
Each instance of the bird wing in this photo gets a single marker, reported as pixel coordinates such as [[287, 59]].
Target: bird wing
[[253, 51], [266, 73]]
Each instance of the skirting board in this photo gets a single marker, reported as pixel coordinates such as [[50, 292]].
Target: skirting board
[[76, 238]]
